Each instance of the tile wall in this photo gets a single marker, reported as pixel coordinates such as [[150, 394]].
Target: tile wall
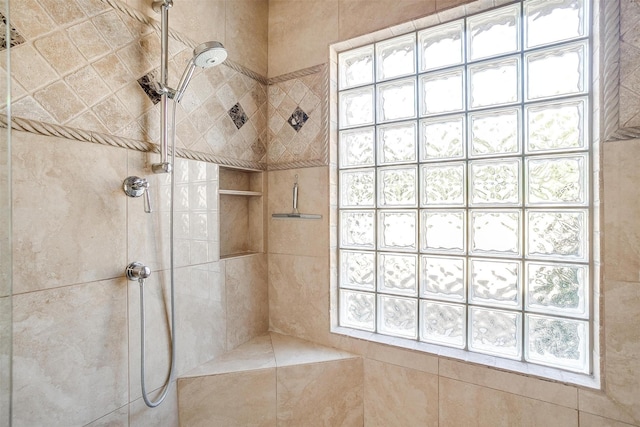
[[80, 73]]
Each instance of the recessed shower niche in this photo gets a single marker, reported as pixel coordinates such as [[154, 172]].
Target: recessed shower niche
[[241, 212]]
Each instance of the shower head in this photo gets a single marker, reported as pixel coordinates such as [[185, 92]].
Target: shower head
[[209, 54], [205, 55]]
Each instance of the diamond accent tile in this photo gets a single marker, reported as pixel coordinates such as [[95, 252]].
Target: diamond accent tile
[[148, 83], [238, 115], [298, 119], [16, 38]]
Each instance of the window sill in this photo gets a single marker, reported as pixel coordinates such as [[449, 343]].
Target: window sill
[[523, 368]]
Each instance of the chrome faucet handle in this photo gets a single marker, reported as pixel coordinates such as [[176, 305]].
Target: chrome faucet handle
[[137, 271], [135, 186]]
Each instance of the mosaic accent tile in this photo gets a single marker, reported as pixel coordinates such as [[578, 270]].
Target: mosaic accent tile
[[238, 115], [16, 38], [298, 119], [149, 83]]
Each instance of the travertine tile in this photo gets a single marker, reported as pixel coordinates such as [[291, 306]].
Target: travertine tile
[[88, 40], [112, 29], [59, 52], [200, 21], [165, 415], [213, 400], [621, 195], [30, 19], [247, 33], [50, 96], [396, 396], [247, 298], [113, 72], [467, 404], [521, 385], [253, 355], [321, 394], [315, 26], [358, 17], [28, 107], [290, 351], [118, 418], [298, 295], [63, 12], [30, 69], [70, 354], [289, 236], [88, 86], [56, 243], [112, 114], [589, 420], [619, 399]]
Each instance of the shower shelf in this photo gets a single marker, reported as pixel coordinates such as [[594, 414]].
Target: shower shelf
[[241, 210], [241, 193]]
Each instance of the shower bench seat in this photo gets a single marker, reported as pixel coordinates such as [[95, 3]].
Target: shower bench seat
[[274, 380]]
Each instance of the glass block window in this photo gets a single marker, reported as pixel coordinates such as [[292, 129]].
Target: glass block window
[[464, 185]]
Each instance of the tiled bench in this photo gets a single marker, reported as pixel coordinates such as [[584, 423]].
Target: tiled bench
[[274, 380]]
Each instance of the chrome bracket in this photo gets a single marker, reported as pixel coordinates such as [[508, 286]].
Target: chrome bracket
[[159, 4]]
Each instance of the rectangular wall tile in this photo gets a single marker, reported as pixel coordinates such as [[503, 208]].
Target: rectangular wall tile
[[397, 396], [328, 393], [70, 354], [69, 212], [467, 404]]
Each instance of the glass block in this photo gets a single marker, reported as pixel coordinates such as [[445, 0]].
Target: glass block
[[397, 230], [443, 184], [495, 182], [358, 310], [561, 343], [441, 92], [496, 232], [557, 72], [396, 100], [356, 107], [557, 180], [356, 67], [440, 46], [396, 57], [357, 147], [357, 229], [397, 187], [494, 33], [443, 323], [557, 289], [357, 188], [495, 132], [557, 234], [558, 126], [495, 332], [495, 283], [494, 83], [554, 21], [358, 270], [442, 138], [442, 278], [397, 143], [398, 316], [398, 274], [442, 231]]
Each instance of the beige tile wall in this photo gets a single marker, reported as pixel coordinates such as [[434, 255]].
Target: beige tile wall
[[77, 319]]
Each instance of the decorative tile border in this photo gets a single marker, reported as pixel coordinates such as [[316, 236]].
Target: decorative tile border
[[48, 129], [14, 37]]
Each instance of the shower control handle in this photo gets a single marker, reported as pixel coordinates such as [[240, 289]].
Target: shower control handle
[[135, 186], [137, 271]]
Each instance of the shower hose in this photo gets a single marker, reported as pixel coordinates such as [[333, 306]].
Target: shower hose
[[167, 385]]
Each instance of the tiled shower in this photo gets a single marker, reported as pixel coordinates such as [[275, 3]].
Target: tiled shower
[[84, 118]]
